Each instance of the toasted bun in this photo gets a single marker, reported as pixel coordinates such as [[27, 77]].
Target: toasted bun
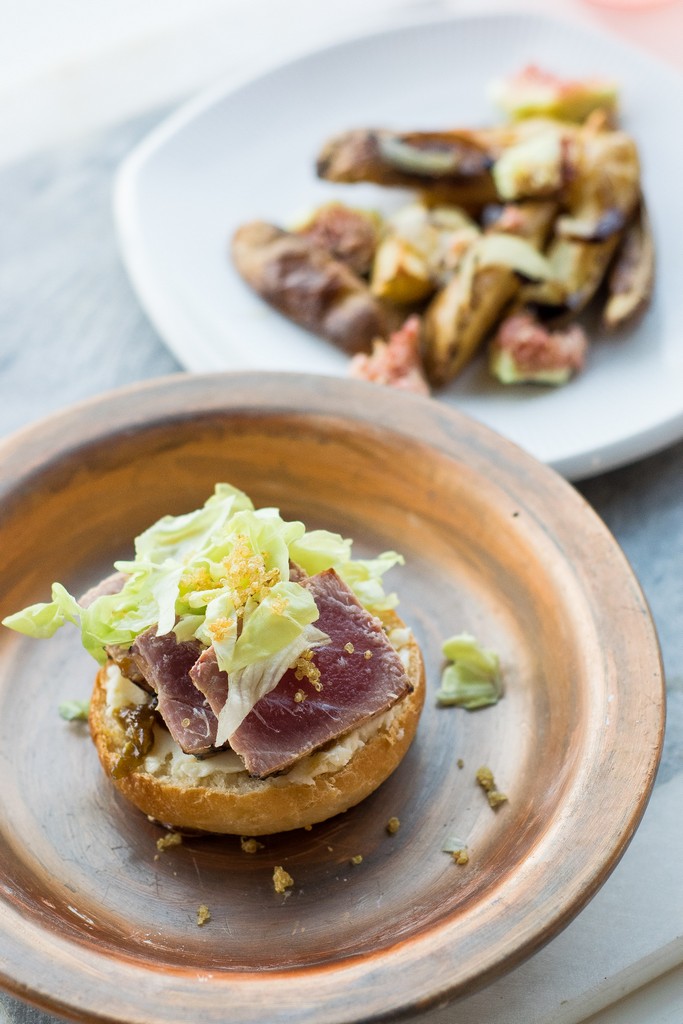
[[236, 803]]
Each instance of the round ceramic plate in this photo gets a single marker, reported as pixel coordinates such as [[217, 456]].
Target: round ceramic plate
[[96, 923], [181, 194]]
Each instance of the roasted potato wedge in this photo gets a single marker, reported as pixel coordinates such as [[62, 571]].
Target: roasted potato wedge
[[306, 284]]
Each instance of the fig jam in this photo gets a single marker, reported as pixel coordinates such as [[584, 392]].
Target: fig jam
[[137, 722]]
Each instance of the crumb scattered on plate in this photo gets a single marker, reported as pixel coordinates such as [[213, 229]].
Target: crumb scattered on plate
[[282, 880], [203, 914], [488, 784], [170, 839], [250, 845]]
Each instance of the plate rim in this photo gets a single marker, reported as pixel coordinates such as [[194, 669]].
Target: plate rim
[[170, 321], [223, 396]]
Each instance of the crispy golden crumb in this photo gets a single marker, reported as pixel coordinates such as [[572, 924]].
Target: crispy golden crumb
[[308, 828], [488, 784], [496, 798], [203, 914], [250, 845], [349, 648], [246, 577], [282, 880], [299, 696], [170, 839], [367, 655], [305, 668], [358, 859], [393, 825], [461, 856], [460, 763]]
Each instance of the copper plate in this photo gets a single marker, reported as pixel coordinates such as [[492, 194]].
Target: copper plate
[[94, 926]]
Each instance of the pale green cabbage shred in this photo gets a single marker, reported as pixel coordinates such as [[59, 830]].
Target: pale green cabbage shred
[[177, 581], [472, 679]]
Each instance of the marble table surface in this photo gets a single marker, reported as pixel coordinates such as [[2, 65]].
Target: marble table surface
[[71, 328]]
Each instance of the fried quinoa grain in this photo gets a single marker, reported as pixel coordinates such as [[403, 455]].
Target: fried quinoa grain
[[170, 839], [488, 784], [282, 880], [393, 825], [250, 845]]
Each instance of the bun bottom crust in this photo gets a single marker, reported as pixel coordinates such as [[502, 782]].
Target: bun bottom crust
[[242, 805]]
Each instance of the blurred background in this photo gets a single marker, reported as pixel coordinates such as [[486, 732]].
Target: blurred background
[[76, 65]]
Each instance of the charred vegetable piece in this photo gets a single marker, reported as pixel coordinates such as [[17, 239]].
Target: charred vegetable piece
[[347, 234], [578, 268], [452, 167], [460, 317], [534, 167], [400, 272], [463, 313], [524, 351], [632, 276], [533, 91], [601, 199], [396, 362], [532, 220], [421, 247], [436, 154], [306, 284]]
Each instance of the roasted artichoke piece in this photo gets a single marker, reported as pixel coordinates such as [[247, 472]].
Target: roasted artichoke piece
[[400, 273], [306, 284], [631, 278], [420, 249], [600, 200], [463, 313], [536, 166], [532, 220]]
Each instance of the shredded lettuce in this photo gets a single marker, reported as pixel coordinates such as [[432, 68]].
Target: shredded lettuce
[[220, 574], [74, 710], [364, 577], [43, 620], [472, 679]]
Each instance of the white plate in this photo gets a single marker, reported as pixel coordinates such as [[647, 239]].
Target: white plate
[[248, 152]]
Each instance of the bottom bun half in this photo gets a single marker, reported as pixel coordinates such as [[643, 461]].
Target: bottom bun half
[[319, 786]]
